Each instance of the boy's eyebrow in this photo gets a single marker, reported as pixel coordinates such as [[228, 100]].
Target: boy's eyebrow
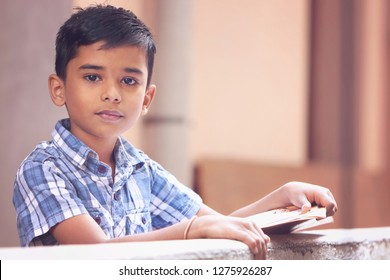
[[97, 67], [91, 66], [133, 70]]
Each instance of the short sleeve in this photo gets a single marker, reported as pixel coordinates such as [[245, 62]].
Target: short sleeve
[[171, 201], [42, 199]]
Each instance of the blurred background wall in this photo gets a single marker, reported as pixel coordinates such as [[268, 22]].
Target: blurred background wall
[[250, 94]]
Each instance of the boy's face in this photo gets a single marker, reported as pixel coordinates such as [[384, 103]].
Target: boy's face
[[105, 91]]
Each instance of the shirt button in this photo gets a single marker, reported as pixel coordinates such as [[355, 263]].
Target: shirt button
[[98, 220], [116, 195], [143, 220], [102, 169]]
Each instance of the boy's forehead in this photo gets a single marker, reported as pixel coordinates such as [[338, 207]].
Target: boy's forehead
[[128, 53]]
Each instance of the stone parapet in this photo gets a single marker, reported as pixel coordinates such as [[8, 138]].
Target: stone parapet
[[326, 244]]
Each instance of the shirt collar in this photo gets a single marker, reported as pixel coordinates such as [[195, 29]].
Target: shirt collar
[[126, 153], [78, 152]]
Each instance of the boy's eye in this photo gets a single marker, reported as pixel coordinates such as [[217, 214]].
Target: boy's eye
[[128, 81], [92, 78]]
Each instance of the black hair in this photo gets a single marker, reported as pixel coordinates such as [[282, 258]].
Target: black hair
[[112, 25]]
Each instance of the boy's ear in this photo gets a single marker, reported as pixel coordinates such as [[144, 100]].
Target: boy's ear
[[149, 95], [57, 90]]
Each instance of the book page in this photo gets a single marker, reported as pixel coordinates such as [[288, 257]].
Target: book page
[[287, 220]]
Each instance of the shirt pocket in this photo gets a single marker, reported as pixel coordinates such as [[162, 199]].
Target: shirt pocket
[[138, 221]]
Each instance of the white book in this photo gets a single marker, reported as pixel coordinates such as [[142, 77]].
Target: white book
[[290, 219]]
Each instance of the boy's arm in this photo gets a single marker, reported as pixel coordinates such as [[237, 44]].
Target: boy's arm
[[82, 229], [299, 194]]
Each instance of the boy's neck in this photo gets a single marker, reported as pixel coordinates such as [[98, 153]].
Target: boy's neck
[[104, 148], [105, 151]]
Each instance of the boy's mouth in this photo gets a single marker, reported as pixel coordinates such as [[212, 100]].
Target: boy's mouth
[[109, 115]]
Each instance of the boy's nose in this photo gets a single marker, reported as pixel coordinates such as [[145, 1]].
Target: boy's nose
[[111, 93]]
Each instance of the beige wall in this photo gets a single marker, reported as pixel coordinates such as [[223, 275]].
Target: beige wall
[[373, 86], [249, 81], [27, 115]]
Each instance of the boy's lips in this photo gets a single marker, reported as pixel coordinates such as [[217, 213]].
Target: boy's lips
[[110, 115]]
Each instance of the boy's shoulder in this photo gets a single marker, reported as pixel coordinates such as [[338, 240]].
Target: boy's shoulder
[[43, 152]]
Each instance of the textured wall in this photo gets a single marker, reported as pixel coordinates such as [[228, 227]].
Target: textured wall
[[27, 116]]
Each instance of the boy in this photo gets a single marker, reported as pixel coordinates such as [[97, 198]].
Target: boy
[[89, 185]]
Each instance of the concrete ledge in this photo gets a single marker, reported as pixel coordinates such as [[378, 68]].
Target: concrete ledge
[[333, 244], [351, 244], [195, 249]]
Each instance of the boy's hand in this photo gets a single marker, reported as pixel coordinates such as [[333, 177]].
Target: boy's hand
[[304, 195], [226, 227]]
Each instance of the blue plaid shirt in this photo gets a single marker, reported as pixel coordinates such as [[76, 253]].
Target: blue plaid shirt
[[63, 178]]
